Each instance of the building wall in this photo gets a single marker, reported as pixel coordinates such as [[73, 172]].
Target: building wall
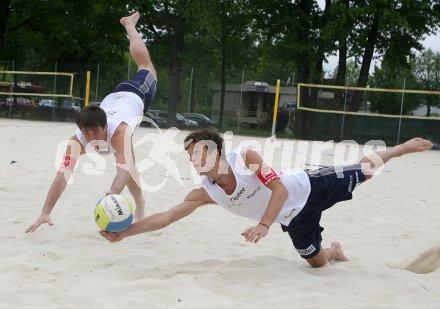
[[253, 103], [232, 104]]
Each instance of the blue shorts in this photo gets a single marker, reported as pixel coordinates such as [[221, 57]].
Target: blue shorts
[[329, 185], [143, 84]]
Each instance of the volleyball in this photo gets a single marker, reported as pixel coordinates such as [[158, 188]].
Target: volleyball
[[113, 213]]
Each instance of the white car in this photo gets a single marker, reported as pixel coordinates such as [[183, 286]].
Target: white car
[[48, 103]]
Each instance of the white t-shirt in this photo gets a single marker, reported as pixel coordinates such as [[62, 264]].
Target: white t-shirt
[[251, 197], [119, 107]]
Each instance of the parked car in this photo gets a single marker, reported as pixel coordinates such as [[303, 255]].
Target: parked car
[[288, 106], [201, 119], [181, 122], [69, 105], [5, 87], [76, 107], [184, 122], [158, 120], [21, 102], [48, 103]]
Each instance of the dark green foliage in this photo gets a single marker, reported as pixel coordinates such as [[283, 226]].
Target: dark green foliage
[[218, 40]]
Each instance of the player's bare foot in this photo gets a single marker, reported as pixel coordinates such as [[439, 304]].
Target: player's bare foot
[[414, 145], [130, 20], [338, 253]]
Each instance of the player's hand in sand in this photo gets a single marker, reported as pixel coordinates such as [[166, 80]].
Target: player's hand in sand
[[255, 233], [111, 236], [41, 220]]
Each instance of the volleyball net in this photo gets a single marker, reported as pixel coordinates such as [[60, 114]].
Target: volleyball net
[[363, 114], [28, 89]]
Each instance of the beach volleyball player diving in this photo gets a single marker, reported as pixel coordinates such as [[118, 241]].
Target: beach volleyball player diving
[[108, 128], [246, 186]]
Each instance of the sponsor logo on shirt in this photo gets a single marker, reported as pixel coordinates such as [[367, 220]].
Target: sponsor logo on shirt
[[237, 195], [233, 200], [235, 205], [253, 193], [290, 214]]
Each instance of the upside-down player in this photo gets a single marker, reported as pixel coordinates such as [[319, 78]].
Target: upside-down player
[[107, 129]]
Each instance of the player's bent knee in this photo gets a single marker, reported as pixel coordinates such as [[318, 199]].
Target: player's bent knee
[[318, 260]]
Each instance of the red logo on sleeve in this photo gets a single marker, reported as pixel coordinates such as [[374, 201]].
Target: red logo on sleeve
[[267, 175], [68, 163]]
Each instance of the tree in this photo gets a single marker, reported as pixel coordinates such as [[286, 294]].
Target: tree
[[5, 10], [426, 69], [345, 76], [298, 28], [390, 28], [170, 25], [76, 35], [391, 77], [359, 29], [229, 36], [65, 30]]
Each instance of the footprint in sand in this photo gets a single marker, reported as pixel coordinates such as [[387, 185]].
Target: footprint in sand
[[426, 263]]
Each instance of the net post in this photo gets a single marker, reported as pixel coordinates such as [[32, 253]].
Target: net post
[[275, 108], [241, 99], [71, 84], [86, 102], [298, 95], [401, 111]]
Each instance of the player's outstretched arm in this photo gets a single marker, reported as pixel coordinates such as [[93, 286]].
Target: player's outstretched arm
[[71, 155], [192, 201], [279, 195], [121, 142], [55, 191]]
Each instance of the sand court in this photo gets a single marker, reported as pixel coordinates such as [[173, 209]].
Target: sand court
[[390, 231]]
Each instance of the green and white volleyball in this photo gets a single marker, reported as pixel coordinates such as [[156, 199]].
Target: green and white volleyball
[[113, 213]]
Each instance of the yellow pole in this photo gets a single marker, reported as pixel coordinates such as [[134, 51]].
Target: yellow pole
[[275, 108], [86, 103], [71, 85]]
